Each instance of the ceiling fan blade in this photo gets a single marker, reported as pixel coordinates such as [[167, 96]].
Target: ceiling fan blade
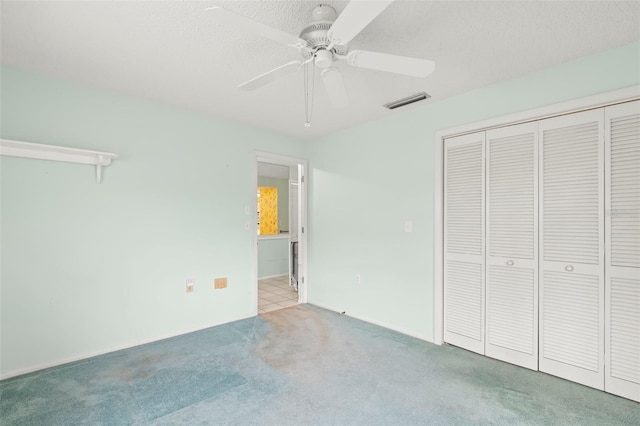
[[334, 85], [413, 67], [270, 76], [235, 19], [355, 16]]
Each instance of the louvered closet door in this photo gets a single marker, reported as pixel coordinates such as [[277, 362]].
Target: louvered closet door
[[464, 242], [572, 247], [622, 274], [512, 245]]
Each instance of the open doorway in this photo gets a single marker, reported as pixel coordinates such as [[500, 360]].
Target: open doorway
[[280, 255]]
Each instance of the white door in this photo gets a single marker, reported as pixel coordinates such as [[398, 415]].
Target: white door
[[293, 210], [572, 247], [512, 245], [622, 311], [464, 241], [294, 258]]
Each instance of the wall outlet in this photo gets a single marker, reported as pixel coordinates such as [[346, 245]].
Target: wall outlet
[[190, 284], [220, 283], [358, 279]]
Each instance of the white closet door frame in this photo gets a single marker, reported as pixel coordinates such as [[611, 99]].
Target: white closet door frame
[[561, 358], [622, 272], [464, 270], [512, 265]]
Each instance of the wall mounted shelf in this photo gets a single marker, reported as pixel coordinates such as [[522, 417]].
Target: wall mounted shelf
[[38, 151]]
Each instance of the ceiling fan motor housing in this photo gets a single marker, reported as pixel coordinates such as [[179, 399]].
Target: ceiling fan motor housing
[[315, 34]]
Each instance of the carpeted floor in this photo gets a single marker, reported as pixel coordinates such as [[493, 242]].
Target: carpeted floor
[[301, 366]]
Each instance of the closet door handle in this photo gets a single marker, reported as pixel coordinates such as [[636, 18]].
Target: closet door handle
[[568, 268], [510, 262]]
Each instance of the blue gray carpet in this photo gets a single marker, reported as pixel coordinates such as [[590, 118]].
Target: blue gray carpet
[[301, 366]]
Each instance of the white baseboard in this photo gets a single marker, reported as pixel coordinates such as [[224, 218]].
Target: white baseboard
[[375, 322], [20, 372]]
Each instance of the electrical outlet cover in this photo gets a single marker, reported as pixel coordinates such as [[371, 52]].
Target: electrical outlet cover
[[219, 283]]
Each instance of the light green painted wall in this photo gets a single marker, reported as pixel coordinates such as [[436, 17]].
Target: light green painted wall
[[87, 267], [273, 257], [366, 181], [283, 199]]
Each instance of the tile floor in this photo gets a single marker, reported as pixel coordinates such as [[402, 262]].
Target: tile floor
[[275, 293]]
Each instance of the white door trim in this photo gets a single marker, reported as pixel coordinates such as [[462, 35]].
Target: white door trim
[[576, 105], [268, 157]]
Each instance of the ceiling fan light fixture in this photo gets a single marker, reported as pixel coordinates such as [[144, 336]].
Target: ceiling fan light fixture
[[421, 96], [324, 58]]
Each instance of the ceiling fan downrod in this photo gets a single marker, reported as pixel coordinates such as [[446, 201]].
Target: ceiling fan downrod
[[309, 87], [319, 51]]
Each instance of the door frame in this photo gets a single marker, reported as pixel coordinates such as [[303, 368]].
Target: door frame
[[283, 160], [576, 105]]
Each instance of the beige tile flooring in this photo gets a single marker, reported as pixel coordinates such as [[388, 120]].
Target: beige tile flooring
[[275, 293]]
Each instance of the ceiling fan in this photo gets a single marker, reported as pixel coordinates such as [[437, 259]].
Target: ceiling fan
[[323, 42]]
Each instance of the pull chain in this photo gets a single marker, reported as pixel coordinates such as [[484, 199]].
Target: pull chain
[[309, 86]]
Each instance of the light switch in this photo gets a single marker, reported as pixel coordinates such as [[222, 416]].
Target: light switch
[[408, 226], [190, 284]]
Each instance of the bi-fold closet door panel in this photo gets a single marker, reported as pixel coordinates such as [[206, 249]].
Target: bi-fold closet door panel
[[542, 246], [512, 244], [622, 273], [572, 247], [464, 213], [495, 174]]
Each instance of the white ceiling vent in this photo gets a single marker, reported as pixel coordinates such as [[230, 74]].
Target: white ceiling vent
[[408, 100]]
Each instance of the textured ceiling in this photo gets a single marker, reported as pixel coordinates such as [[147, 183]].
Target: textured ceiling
[[179, 54]]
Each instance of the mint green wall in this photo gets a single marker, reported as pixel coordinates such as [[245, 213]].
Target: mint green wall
[[283, 199], [366, 181], [90, 267], [87, 267], [273, 257]]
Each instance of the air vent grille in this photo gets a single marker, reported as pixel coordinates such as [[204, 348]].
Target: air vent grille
[[408, 100]]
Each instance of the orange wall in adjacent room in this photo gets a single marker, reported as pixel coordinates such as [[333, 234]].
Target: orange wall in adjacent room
[[268, 203]]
